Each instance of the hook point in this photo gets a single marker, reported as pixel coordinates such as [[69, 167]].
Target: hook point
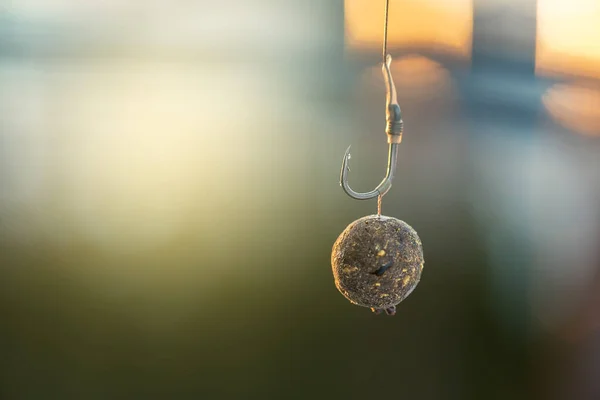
[[347, 154], [347, 157]]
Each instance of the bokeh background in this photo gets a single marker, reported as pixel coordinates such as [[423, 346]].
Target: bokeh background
[[169, 198]]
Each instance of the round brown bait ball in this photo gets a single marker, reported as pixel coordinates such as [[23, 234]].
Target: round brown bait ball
[[377, 262]]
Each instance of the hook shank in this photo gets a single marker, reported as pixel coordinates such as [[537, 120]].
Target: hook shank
[[393, 115]]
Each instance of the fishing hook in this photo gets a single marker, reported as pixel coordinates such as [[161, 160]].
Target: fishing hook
[[393, 130]]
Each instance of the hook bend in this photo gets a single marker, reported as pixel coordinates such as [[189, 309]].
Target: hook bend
[[385, 184]]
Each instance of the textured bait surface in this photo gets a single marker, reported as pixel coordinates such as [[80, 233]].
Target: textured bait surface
[[377, 262]]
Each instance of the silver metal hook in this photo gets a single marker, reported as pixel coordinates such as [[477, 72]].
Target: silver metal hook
[[393, 129]]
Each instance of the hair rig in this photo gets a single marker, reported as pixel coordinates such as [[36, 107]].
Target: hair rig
[[377, 260]]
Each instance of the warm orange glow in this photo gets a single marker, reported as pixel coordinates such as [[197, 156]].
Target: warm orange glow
[[568, 37], [416, 77], [576, 108], [412, 23]]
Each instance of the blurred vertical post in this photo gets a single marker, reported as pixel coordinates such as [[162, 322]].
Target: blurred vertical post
[[503, 98], [504, 40]]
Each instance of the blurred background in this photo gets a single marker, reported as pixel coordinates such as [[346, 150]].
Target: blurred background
[[169, 198]]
